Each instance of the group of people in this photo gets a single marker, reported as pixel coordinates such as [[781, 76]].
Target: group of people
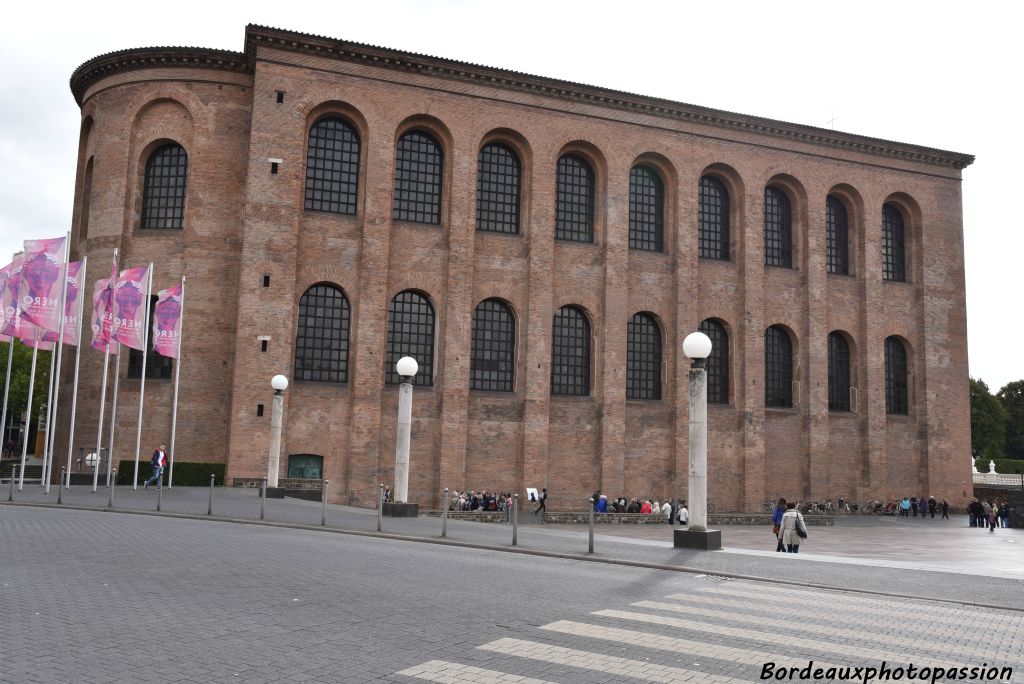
[[983, 514], [480, 501], [911, 506], [673, 510], [788, 526]]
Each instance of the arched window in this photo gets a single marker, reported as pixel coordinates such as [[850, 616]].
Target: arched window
[[570, 353], [332, 167], [492, 361], [897, 399], [838, 372], [778, 367], [497, 189], [713, 219], [574, 205], [419, 163], [643, 358], [321, 340], [778, 228], [410, 333], [717, 364], [83, 223], [894, 256], [157, 367], [163, 192], [646, 209], [837, 236]]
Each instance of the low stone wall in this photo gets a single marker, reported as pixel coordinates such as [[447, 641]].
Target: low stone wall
[[282, 483], [582, 517]]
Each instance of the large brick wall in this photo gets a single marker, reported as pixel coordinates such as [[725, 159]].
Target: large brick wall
[[245, 223]]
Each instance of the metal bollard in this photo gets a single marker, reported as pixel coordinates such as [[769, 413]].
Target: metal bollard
[[10, 495], [159, 493], [60, 489], [113, 486], [380, 508], [444, 514], [323, 502], [209, 506], [590, 547], [515, 520], [263, 498]]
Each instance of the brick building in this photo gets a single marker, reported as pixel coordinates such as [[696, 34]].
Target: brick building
[[542, 248]]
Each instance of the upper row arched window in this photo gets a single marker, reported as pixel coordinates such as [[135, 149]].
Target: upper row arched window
[[163, 190], [837, 236], [419, 163], [332, 167], [894, 258], [574, 199], [713, 219], [778, 228], [646, 209], [497, 189]]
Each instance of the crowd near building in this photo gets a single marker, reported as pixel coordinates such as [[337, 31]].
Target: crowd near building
[[540, 248]]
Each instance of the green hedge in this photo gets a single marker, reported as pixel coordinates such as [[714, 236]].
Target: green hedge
[[186, 474], [1004, 466]]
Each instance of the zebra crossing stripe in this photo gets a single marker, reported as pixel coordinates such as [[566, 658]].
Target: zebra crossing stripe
[[775, 638], [692, 649], [597, 662], [445, 672]]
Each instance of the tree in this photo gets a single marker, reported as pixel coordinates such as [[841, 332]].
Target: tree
[[20, 371], [988, 423], [1012, 399]]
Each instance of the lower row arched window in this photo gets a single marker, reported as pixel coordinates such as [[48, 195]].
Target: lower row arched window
[[410, 333], [492, 360], [321, 337], [717, 364], [643, 358], [778, 368], [838, 372], [570, 353], [897, 396], [157, 367]]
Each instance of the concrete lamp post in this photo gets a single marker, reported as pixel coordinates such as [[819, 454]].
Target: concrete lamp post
[[697, 348], [279, 383], [400, 507]]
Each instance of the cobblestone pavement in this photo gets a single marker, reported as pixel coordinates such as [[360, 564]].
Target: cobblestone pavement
[[98, 597]]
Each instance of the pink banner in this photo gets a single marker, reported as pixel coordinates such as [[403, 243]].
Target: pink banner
[[11, 319], [102, 316], [40, 282], [129, 308], [72, 326], [167, 321], [5, 275]]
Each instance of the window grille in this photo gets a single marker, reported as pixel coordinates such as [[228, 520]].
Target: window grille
[[717, 365], [778, 228], [778, 368], [574, 207], [163, 193], [893, 245], [492, 359], [570, 353], [419, 162], [838, 372], [332, 167], [321, 340], [896, 395], [410, 333], [837, 236], [157, 367], [646, 209], [497, 190], [643, 358], [713, 219]]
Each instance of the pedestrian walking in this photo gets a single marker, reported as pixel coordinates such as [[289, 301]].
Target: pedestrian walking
[[1004, 514], [682, 515], [777, 513], [158, 461], [944, 506], [932, 505], [542, 504], [905, 508], [922, 507], [792, 528], [986, 510]]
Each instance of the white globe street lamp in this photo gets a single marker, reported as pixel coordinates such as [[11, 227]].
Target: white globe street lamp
[[697, 347], [279, 384], [406, 368]]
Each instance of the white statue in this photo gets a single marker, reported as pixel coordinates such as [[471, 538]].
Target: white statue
[[991, 467]]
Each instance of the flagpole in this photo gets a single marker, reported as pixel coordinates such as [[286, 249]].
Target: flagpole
[[142, 384], [103, 401], [83, 274], [7, 390], [177, 376], [113, 410], [49, 411], [52, 418], [28, 414]]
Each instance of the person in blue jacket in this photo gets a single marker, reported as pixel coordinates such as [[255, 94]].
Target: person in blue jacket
[[602, 504], [780, 510]]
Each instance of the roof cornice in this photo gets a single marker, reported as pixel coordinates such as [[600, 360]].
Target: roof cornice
[[153, 57], [566, 90]]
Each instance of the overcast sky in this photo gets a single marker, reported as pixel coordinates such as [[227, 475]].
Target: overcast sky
[[939, 74]]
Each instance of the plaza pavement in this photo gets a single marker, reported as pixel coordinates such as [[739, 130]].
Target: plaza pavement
[[932, 558]]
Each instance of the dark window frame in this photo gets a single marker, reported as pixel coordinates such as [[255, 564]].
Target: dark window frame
[[322, 335], [837, 236], [717, 364], [157, 367], [897, 377], [419, 178], [333, 157], [643, 357], [894, 244], [165, 188], [570, 353], [412, 329], [575, 198], [492, 364], [778, 228], [713, 221], [840, 370], [778, 368], [498, 189], [646, 209]]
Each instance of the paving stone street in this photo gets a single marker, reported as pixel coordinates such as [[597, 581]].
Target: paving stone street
[[92, 596]]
